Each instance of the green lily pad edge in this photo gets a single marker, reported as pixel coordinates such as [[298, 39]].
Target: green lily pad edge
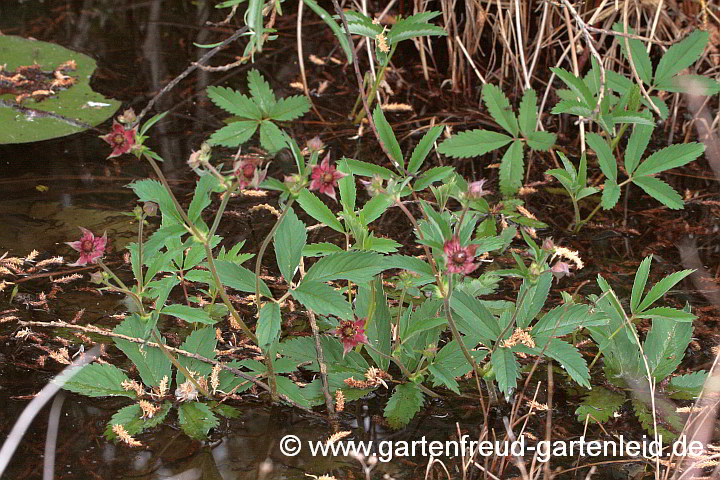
[[79, 102]]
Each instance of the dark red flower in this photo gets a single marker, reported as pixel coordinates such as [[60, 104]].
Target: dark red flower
[[459, 259], [248, 173], [91, 248], [324, 178], [120, 139], [351, 333]]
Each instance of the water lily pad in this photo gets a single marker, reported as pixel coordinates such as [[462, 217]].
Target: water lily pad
[[38, 117]]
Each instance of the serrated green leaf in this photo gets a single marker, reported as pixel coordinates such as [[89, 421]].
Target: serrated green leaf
[[96, 380], [153, 191], [201, 342], [473, 143], [289, 241], [660, 191], [541, 141], [357, 267], [512, 169], [693, 382], [581, 91], [665, 346], [640, 57], [499, 107], [681, 55], [431, 176], [662, 287], [260, 90], [239, 278], [670, 157], [268, 325], [506, 370], [365, 169], [314, 207], [421, 150], [570, 359], [289, 108], [474, 319], [387, 137], [610, 195], [151, 363], [405, 30], [375, 207], [187, 313], [322, 299], [667, 313], [573, 107], [560, 321], [234, 102], [639, 283], [234, 134], [533, 297], [636, 146], [196, 419], [600, 405], [201, 198], [272, 138], [405, 402], [637, 118], [527, 112], [320, 249], [441, 377], [693, 84], [379, 327], [346, 186], [605, 157]]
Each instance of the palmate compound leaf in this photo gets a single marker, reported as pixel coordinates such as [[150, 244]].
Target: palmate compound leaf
[[599, 405], [78, 102], [405, 402], [234, 102]]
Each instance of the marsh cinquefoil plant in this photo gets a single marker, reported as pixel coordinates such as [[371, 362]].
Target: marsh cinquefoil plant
[[633, 365], [416, 334]]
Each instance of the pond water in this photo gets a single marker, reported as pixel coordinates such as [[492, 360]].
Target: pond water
[[52, 187]]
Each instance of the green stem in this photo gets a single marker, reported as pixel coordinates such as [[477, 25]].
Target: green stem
[[140, 253], [208, 250], [580, 224]]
